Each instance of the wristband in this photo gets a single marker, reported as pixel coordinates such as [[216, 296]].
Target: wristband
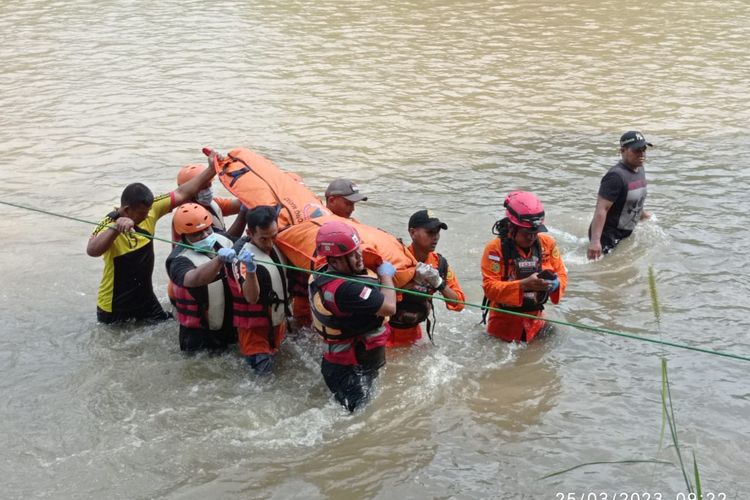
[[442, 286]]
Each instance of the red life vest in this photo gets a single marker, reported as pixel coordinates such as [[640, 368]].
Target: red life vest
[[186, 308], [331, 322], [259, 315]]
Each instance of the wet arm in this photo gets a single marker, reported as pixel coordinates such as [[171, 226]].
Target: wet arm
[[251, 288], [238, 226], [597, 226], [388, 308], [100, 242], [453, 291], [203, 274]]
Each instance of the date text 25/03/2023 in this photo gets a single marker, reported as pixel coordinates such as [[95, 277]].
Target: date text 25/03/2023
[[622, 495]]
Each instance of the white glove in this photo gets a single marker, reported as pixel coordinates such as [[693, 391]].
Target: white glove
[[429, 275], [421, 273]]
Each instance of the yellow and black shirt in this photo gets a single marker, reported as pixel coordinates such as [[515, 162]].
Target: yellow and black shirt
[[129, 263]]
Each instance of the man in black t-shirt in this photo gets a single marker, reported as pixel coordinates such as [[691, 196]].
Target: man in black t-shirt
[[350, 311], [622, 194], [200, 289]]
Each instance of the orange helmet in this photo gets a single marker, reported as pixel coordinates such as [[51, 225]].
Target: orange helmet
[[191, 218], [188, 172]]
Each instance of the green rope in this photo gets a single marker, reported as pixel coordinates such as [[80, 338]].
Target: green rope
[[579, 326]]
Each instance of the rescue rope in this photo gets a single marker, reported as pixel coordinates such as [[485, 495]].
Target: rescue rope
[[579, 326]]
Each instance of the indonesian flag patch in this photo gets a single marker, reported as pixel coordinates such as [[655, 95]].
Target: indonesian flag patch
[[365, 293]]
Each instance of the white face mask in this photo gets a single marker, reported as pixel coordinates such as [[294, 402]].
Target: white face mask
[[205, 196], [206, 243]]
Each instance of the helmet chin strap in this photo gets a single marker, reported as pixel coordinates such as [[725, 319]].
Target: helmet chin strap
[[349, 265]]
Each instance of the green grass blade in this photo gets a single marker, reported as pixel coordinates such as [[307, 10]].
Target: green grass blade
[[698, 491], [663, 406], [666, 401]]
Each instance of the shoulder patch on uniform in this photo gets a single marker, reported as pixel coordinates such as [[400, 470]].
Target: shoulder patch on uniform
[[494, 256], [365, 293], [555, 252], [496, 267]]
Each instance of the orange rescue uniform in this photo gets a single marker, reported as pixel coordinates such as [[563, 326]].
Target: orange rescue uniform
[[502, 293], [400, 337]]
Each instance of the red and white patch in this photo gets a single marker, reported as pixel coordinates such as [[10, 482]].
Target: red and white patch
[[494, 256], [365, 293]]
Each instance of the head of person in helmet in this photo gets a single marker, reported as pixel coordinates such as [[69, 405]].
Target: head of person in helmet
[[525, 214], [339, 243], [193, 223], [206, 193]]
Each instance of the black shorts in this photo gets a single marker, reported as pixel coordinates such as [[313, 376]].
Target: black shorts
[[199, 339], [151, 312]]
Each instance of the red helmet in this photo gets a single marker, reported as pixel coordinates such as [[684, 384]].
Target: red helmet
[[188, 172], [336, 239], [191, 218], [525, 210]]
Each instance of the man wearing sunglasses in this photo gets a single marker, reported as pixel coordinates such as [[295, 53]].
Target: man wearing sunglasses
[[622, 194]]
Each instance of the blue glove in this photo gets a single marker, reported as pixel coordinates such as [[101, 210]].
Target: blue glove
[[555, 284], [386, 269], [227, 255], [248, 258]]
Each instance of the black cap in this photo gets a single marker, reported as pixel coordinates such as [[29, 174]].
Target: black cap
[[425, 219], [634, 140]]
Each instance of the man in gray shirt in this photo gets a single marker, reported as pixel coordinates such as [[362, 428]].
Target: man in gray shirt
[[622, 194]]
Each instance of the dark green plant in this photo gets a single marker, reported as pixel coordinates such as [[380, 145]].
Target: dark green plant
[[666, 396]]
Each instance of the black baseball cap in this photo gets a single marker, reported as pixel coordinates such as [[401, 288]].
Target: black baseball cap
[[634, 140], [425, 219]]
